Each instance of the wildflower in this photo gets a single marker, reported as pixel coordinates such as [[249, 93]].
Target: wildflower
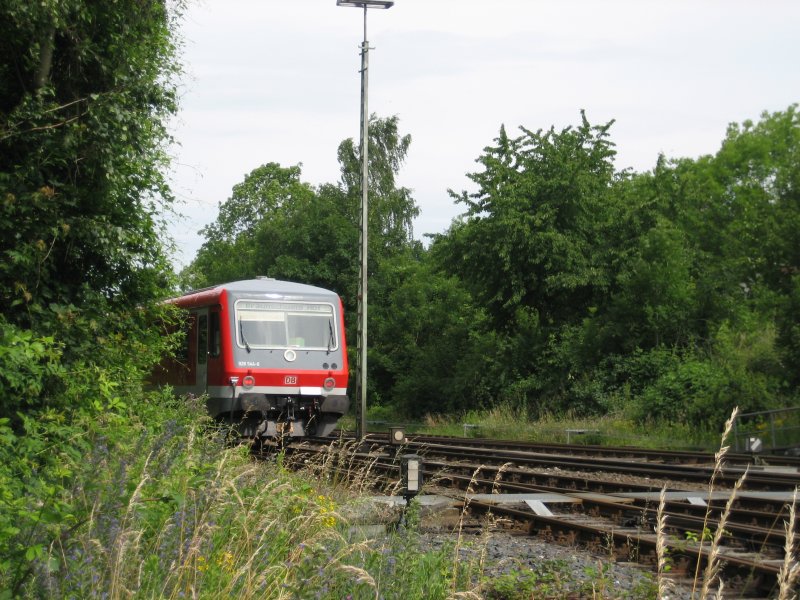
[[225, 562], [202, 564], [326, 508]]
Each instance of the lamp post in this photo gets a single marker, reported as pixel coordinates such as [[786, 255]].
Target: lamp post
[[361, 328]]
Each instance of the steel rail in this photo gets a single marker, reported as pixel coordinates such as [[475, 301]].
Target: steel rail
[[726, 475], [617, 521], [751, 553], [682, 457]]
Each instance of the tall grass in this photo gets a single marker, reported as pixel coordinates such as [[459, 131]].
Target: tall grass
[[506, 421], [707, 582], [176, 513], [790, 570], [179, 514]]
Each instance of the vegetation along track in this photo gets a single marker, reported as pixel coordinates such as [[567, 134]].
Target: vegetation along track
[[602, 501]]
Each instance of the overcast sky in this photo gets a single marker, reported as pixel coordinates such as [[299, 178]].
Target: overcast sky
[[277, 81]]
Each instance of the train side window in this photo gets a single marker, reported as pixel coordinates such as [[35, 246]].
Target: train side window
[[202, 339], [183, 351], [216, 337]]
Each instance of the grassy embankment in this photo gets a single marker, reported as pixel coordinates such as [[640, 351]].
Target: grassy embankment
[[161, 507], [173, 512], [507, 422]]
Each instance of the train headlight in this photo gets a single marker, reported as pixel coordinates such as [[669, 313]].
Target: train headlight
[[329, 384], [248, 382]]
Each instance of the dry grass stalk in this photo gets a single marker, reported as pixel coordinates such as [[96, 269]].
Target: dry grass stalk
[[665, 584], [364, 479], [790, 570], [361, 576], [353, 456], [125, 536], [488, 523], [499, 476], [718, 466], [457, 549], [711, 573]]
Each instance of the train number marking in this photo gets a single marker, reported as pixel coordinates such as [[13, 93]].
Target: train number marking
[[247, 363], [290, 380]]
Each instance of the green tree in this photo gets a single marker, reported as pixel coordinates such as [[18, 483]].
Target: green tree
[[739, 214], [531, 246], [85, 92], [391, 208], [432, 351], [530, 235], [252, 226], [758, 174], [274, 224], [654, 300]]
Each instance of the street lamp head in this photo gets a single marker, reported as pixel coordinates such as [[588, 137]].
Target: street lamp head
[[365, 3]]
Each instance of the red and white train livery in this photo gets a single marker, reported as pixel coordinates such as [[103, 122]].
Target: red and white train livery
[[270, 356]]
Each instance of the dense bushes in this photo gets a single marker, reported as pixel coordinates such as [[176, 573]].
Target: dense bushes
[[155, 505], [663, 295], [566, 285], [57, 413], [86, 90]]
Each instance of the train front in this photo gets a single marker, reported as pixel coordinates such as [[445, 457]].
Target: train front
[[287, 373]]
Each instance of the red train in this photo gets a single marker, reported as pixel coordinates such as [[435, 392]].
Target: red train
[[270, 356]]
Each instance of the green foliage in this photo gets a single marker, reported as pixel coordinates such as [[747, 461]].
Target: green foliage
[[530, 234], [57, 413], [557, 579], [742, 368], [566, 286], [85, 93], [669, 291], [263, 208], [84, 96], [27, 364], [158, 505], [430, 327], [655, 294], [275, 224], [530, 250], [391, 208]]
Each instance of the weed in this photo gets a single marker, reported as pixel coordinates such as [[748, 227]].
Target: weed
[[509, 422]]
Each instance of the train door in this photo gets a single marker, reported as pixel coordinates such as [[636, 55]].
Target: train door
[[215, 368], [201, 364]]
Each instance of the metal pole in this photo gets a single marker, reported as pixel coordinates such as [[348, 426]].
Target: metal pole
[[361, 424]]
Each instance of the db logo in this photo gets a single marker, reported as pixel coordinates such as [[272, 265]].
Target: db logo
[[290, 380]]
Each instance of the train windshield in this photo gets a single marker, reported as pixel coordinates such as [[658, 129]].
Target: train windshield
[[285, 325]]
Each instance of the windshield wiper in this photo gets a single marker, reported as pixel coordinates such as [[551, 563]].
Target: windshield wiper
[[244, 339], [330, 335]]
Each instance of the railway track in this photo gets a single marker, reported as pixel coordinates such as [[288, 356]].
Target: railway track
[[758, 477], [607, 500], [681, 457]]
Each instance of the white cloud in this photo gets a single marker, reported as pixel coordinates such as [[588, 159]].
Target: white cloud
[[277, 81]]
